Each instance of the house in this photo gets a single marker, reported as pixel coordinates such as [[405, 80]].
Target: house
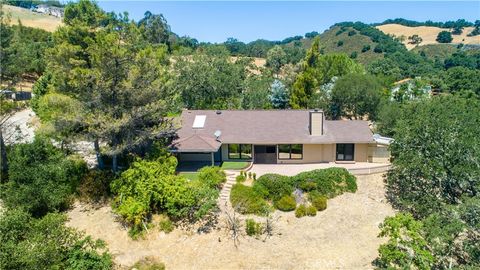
[[270, 136], [49, 10]]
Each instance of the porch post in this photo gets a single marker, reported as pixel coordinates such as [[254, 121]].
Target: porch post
[[213, 159]]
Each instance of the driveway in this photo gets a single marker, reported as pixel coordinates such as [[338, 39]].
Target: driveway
[[358, 168]]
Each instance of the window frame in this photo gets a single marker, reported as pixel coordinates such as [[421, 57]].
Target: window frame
[[289, 152], [344, 152], [240, 147]]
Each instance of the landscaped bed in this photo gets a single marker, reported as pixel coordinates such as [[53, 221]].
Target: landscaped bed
[[305, 192]]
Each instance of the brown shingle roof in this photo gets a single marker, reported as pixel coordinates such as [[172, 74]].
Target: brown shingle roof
[[265, 127]]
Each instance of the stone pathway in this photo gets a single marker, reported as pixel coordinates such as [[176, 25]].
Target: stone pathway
[[224, 200]]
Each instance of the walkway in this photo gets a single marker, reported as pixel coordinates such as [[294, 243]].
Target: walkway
[[358, 168], [224, 200]]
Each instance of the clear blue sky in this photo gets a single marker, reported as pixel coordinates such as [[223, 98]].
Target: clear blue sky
[[249, 20]]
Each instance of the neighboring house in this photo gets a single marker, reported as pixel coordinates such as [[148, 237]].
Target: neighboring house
[[410, 89], [270, 136], [16, 95]]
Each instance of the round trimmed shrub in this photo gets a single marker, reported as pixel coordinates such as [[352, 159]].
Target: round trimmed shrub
[[311, 211], [301, 211], [318, 201], [286, 203]]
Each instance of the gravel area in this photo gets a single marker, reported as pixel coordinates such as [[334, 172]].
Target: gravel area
[[344, 236]]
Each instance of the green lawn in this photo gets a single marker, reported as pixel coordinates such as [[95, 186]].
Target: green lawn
[[190, 175], [234, 165]]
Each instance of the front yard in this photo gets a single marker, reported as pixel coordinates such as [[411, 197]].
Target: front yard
[[343, 236]]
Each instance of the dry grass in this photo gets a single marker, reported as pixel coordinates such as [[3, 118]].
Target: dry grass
[[344, 236], [32, 19], [427, 33]]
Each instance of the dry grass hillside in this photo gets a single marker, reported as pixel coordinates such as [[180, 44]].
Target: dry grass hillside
[[427, 33], [32, 19]]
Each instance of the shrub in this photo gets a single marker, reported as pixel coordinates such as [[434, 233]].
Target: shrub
[[340, 43], [352, 33], [308, 186], [330, 182], [274, 186], [254, 176], [253, 228], [95, 186], [249, 175], [247, 201], [311, 211], [41, 178], [378, 49], [149, 263], [318, 201], [166, 225], [353, 55], [301, 211], [214, 176], [240, 178], [286, 203], [365, 48]]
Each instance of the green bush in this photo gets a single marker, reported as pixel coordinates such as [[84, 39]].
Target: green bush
[[301, 211], [273, 186], [311, 211], [286, 203], [41, 178], [214, 176], [166, 225], [340, 43], [365, 48], [308, 186], [247, 201], [95, 186], [240, 178], [318, 201], [330, 182], [253, 228], [254, 176]]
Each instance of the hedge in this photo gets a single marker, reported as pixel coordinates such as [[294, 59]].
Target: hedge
[[247, 201], [329, 182]]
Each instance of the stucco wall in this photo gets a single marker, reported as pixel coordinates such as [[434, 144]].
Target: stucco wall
[[361, 152], [378, 154]]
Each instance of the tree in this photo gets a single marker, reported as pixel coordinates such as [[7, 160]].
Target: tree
[[457, 30], [276, 58], [415, 39], [118, 79], [444, 37], [256, 94], [462, 80], [406, 247], [41, 179], [154, 28], [355, 96], [46, 243], [435, 154], [311, 34], [278, 95], [209, 80]]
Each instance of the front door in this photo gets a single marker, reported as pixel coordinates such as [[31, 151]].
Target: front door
[[265, 154]]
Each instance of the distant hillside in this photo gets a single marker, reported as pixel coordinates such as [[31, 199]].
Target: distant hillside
[[340, 39], [427, 33], [32, 19]]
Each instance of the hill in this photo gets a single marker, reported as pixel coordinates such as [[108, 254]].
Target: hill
[[427, 33], [32, 19]]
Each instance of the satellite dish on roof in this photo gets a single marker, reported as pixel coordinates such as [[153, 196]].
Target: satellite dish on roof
[[217, 133]]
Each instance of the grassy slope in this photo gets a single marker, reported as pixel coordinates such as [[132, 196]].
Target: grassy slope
[[329, 40], [427, 33], [32, 19]]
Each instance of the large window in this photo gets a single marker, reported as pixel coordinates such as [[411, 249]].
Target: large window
[[290, 151], [345, 151], [239, 151]]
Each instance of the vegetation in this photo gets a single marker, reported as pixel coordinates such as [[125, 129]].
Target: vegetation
[[286, 203], [444, 37], [301, 211], [234, 165], [253, 228], [318, 201], [329, 182], [247, 201]]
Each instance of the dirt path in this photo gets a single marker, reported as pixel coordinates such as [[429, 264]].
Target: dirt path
[[342, 237]]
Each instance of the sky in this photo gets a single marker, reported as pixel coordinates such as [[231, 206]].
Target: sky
[[216, 21]]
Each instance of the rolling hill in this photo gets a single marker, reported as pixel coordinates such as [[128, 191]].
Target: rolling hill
[[427, 33], [32, 19]]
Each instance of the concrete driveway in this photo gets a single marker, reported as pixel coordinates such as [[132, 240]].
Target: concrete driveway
[[358, 168]]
